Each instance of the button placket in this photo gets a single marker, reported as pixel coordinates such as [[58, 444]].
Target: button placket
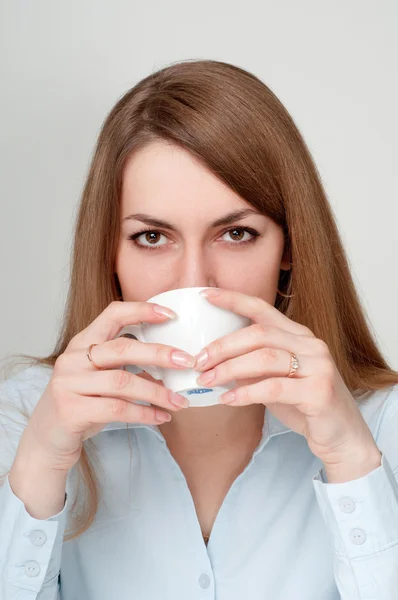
[[31, 568], [204, 581], [38, 537], [357, 536], [347, 505]]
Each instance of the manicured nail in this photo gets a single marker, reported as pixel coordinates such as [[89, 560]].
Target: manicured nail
[[210, 292], [178, 400], [162, 417], [228, 397], [166, 312], [202, 358], [182, 359], [206, 378]]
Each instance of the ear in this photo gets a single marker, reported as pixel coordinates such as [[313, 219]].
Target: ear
[[286, 263]]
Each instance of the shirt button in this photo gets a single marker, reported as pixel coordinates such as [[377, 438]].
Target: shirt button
[[31, 568], [357, 536], [37, 537], [204, 581], [347, 505]]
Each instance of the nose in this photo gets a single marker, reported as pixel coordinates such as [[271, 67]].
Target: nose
[[196, 269]]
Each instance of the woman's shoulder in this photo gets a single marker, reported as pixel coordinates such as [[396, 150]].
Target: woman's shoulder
[[374, 403]]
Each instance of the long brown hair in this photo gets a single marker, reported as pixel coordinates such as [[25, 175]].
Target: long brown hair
[[231, 121]]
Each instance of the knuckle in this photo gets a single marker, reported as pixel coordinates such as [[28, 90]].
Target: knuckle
[[306, 331], [243, 394], [118, 407], [108, 316], [162, 354], [216, 348], [113, 306], [274, 388], [322, 349], [257, 330], [121, 346], [160, 395], [61, 363], [121, 378], [268, 356], [74, 343], [258, 302], [258, 305], [261, 331], [141, 413], [224, 371]]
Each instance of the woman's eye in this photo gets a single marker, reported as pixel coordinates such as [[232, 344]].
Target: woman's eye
[[152, 237], [237, 234], [236, 237]]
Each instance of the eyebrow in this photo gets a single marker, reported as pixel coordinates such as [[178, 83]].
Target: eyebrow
[[226, 220]]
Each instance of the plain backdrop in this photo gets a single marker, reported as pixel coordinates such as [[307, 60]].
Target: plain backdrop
[[63, 65]]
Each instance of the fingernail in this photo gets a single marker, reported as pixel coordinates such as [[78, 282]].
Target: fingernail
[[210, 292], [178, 400], [228, 397], [162, 417], [206, 378], [202, 358], [166, 312], [182, 359]]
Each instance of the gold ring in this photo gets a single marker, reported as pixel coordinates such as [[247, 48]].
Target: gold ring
[[294, 364], [88, 352]]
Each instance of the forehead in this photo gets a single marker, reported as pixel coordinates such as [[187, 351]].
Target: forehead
[[165, 176]]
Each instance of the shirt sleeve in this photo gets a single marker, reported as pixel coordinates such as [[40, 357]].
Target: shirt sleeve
[[30, 548], [362, 517]]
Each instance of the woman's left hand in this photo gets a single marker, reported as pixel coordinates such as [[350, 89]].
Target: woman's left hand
[[315, 402]]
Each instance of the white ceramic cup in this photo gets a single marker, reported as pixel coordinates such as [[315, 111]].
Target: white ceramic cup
[[198, 323]]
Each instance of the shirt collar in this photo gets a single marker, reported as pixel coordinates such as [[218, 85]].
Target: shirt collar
[[272, 427]]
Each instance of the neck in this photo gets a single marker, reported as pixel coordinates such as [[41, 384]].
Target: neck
[[208, 430]]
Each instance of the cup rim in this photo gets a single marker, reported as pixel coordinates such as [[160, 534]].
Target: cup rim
[[193, 289]]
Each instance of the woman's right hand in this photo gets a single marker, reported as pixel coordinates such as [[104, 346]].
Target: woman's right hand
[[80, 400]]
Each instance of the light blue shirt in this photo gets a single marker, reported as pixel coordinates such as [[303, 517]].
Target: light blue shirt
[[282, 532]]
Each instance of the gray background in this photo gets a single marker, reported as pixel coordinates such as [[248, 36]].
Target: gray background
[[64, 64]]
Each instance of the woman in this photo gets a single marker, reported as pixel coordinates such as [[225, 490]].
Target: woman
[[201, 178]]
